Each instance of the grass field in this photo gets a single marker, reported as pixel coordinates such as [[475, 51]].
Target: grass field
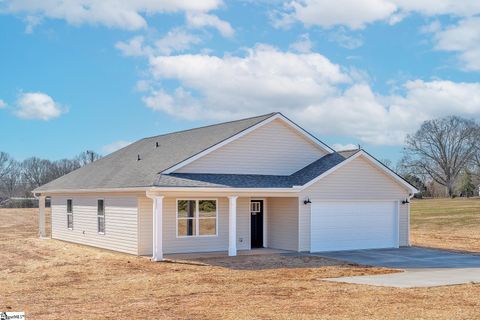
[[446, 223], [50, 279]]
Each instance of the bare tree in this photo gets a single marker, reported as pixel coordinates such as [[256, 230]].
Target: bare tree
[[5, 164], [62, 167], [387, 162], [18, 179], [11, 183], [441, 149], [87, 157], [36, 172]]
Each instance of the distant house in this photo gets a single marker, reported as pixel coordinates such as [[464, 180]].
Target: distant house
[[240, 185]]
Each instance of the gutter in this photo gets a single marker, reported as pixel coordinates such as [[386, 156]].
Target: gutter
[[295, 189]]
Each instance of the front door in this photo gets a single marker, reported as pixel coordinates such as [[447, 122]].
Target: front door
[[256, 213]]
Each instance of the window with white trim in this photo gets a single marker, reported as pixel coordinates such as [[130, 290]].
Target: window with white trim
[[196, 218], [101, 216], [69, 214]]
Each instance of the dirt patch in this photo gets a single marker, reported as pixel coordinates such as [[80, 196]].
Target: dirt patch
[[50, 279]]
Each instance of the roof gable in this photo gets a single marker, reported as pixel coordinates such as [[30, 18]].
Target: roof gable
[[226, 146], [371, 160], [274, 148]]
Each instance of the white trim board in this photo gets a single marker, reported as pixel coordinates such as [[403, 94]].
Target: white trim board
[[280, 116]]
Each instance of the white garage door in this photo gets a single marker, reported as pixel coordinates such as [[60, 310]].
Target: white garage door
[[350, 225]]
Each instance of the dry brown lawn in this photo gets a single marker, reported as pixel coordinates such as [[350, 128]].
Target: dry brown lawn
[[50, 279], [446, 223]]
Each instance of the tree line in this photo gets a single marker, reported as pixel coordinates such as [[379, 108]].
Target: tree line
[[19, 178], [441, 158], [443, 153]]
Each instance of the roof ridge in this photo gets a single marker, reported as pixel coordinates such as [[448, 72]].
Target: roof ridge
[[211, 125]]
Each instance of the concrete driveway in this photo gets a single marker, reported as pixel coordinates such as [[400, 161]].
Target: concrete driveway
[[422, 267]]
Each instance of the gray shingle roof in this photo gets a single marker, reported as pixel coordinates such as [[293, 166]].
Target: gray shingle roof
[[298, 178], [122, 170]]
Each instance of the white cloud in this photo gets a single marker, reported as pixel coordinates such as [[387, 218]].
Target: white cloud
[[176, 40], [245, 85], [378, 119], [438, 98], [135, 47], [343, 147], [3, 104], [32, 22], [303, 44], [37, 105], [463, 38], [319, 94], [356, 14], [351, 13], [345, 40], [200, 20], [462, 8], [432, 27], [114, 146], [127, 15], [143, 85]]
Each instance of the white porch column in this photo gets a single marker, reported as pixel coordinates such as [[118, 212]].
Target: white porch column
[[232, 225], [41, 217], [157, 228]]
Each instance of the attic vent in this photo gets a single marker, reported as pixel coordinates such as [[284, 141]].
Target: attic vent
[[157, 144], [138, 158]]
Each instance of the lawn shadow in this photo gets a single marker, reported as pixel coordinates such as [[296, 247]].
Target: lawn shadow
[[264, 262]]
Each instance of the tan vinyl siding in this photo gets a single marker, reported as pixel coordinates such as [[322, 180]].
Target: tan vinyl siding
[[243, 224], [404, 221], [357, 180], [282, 223], [274, 148], [172, 244], [303, 226], [120, 222], [145, 226]]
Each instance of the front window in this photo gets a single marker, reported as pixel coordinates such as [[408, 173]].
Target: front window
[[196, 218], [101, 216], [69, 214]]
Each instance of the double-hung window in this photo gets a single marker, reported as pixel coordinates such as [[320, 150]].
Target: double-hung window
[[69, 214], [196, 218], [101, 216]]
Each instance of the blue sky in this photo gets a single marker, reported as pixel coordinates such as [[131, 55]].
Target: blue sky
[[88, 74]]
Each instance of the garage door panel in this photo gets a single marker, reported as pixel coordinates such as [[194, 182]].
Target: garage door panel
[[353, 233], [345, 223], [353, 225], [359, 223]]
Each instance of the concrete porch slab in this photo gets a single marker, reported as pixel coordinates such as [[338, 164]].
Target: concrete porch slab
[[199, 255]]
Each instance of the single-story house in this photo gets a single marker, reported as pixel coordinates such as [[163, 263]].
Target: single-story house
[[239, 185]]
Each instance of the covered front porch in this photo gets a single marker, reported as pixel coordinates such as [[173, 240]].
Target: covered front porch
[[217, 254], [215, 224]]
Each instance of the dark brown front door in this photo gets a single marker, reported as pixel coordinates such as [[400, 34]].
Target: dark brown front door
[[256, 213]]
